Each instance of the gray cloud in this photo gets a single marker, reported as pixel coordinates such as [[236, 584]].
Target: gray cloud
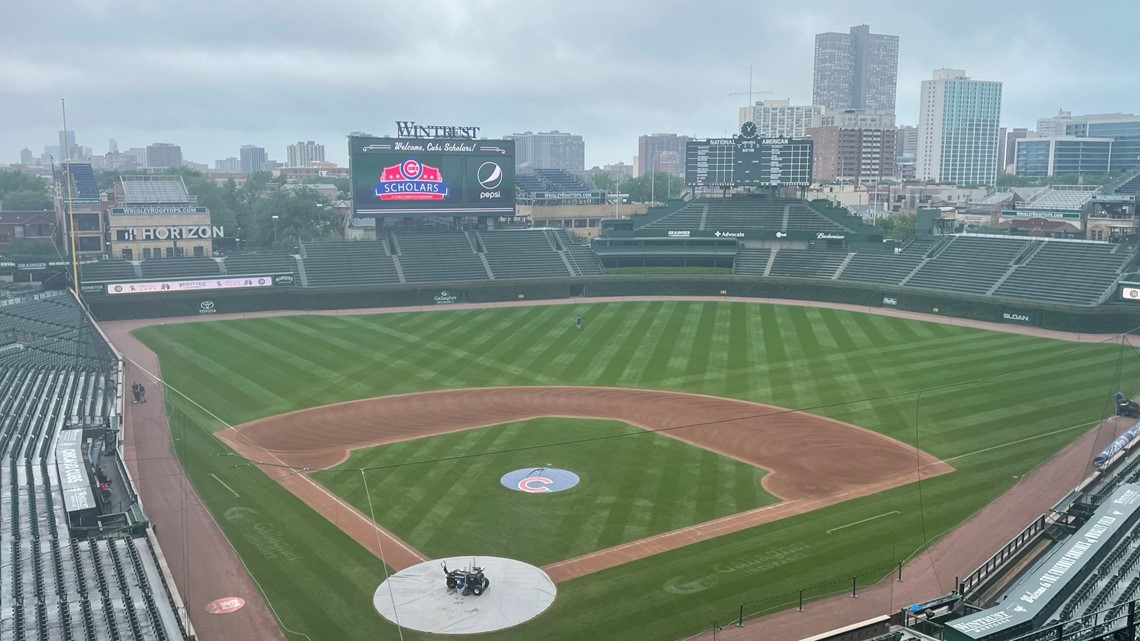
[[213, 75]]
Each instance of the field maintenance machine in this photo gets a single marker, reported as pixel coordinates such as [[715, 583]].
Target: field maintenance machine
[[470, 582]]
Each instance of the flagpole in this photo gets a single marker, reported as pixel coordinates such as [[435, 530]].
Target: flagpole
[[70, 210]]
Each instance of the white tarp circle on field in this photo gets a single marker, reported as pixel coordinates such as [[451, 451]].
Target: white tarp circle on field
[[418, 598]]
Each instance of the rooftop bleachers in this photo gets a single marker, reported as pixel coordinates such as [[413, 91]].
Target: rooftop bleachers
[[885, 268], [1058, 199], [1067, 273], [968, 264], [182, 267], [751, 262], [258, 263], [560, 180], [108, 270], [522, 254], [83, 183], [343, 263], [529, 182], [801, 263], [438, 257]]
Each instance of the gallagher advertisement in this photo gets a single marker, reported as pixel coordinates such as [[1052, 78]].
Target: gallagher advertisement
[[432, 176]]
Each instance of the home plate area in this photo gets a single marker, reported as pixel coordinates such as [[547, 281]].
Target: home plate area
[[418, 597]]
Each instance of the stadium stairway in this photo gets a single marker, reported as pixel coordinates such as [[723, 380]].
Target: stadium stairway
[[751, 262]]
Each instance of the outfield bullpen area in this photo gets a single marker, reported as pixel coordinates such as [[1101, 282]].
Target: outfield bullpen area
[[974, 409]]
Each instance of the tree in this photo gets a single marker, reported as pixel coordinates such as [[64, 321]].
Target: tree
[[898, 226], [32, 251], [27, 200], [302, 215], [605, 182], [658, 186]]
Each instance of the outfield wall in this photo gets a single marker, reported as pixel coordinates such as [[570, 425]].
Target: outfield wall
[[1110, 318]]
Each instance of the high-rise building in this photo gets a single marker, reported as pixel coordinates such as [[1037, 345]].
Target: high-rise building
[[661, 152], [1062, 156], [251, 159], [856, 70], [1001, 157], [1054, 125], [304, 153], [854, 146], [67, 148], [163, 155], [112, 146], [1009, 157], [549, 150], [1123, 129], [138, 155], [25, 156], [780, 118], [229, 165], [958, 129], [906, 142]]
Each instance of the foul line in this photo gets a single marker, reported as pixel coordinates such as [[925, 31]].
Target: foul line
[[1019, 441], [236, 495], [864, 520]]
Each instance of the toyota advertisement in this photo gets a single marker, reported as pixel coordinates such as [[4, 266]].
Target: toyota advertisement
[[432, 176]]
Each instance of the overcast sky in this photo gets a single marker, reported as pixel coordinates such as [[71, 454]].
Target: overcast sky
[[212, 75]]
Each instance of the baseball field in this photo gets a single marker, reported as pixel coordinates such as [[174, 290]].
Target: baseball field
[[665, 410]]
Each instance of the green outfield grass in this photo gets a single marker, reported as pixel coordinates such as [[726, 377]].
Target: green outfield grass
[[995, 404], [634, 484]]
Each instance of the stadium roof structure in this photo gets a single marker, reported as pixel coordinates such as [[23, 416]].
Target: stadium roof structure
[[154, 190], [1038, 593]]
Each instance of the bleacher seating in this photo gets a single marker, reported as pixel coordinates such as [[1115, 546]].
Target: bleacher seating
[[747, 214], [751, 262], [1130, 185], [83, 183], [560, 180], [1067, 272], [969, 264], [522, 254], [343, 263], [885, 268], [438, 257], [108, 270], [1058, 199], [182, 267], [799, 263], [57, 585], [257, 263], [582, 258]]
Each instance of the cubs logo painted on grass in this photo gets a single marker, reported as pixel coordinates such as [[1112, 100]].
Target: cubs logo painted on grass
[[539, 480]]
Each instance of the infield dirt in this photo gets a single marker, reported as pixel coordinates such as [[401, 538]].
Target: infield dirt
[[797, 448]]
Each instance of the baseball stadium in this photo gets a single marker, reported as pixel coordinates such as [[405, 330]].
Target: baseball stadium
[[740, 414]]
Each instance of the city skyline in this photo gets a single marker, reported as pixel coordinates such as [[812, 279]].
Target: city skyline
[[618, 79]]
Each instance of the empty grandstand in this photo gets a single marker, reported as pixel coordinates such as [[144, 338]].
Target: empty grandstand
[[333, 264], [440, 257], [259, 263], [750, 214], [1076, 273], [968, 264], [524, 254], [77, 558], [189, 267]]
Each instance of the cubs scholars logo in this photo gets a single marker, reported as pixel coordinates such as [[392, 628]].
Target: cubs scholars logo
[[411, 180], [539, 480]]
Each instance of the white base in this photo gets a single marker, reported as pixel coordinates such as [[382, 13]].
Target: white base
[[418, 598]]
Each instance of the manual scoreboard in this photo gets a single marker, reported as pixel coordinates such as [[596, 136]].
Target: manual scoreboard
[[748, 160]]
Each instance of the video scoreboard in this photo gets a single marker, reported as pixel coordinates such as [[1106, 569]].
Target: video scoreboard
[[748, 161], [432, 176]]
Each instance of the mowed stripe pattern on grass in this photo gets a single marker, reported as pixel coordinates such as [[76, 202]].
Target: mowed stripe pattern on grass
[[631, 487], [982, 390]]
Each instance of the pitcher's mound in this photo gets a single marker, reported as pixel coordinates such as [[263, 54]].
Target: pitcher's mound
[[418, 598]]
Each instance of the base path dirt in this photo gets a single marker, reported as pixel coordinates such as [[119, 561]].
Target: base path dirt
[[762, 435]]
